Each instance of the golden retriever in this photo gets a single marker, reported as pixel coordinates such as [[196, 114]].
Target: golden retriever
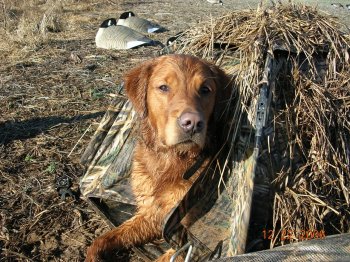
[[177, 98]]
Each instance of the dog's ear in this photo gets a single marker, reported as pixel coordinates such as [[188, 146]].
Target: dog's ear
[[224, 102], [135, 83], [224, 93]]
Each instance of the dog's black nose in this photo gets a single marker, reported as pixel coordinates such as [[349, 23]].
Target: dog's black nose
[[191, 122]]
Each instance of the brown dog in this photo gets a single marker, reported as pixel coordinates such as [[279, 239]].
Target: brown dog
[[177, 98]]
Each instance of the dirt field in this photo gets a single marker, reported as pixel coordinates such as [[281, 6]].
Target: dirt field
[[54, 88]]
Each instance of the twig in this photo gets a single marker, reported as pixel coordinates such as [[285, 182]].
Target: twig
[[79, 140]]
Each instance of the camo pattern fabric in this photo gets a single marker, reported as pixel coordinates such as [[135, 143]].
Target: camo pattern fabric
[[217, 225], [222, 219], [108, 155], [332, 248], [215, 219]]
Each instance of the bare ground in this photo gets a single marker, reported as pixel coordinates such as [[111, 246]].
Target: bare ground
[[54, 88]]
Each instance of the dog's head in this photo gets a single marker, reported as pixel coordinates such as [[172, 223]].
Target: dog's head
[[176, 96]]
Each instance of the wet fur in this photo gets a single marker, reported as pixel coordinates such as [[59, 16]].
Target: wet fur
[[158, 168]]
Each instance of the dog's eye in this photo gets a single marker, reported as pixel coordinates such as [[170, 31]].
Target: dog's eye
[[204, 90], [164, 88]]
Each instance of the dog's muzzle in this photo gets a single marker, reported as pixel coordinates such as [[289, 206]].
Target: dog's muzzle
[[191, 123]]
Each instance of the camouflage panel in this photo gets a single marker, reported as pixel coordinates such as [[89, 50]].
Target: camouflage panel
[[332, 248], [222, 219], [111, 147], [216, 218], [216, 214], [106, 183], [243, 181], [107, 121]]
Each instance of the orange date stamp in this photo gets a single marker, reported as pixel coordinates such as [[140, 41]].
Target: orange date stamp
[[290, 234]]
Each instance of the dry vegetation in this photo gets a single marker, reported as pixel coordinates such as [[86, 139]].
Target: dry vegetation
[[54, 88], [311, 109]]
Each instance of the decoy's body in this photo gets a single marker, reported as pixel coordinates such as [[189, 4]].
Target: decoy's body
[[113, 36], [215, 2], [139, 24], [337, 5]]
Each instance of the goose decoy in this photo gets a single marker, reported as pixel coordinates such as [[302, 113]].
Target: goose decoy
[[348, 7], [172, 40], [215, 2], [139, 24], [113, 36], [337, 5], [171, 44]]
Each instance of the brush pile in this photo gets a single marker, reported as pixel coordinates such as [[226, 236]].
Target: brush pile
[[309, 119]]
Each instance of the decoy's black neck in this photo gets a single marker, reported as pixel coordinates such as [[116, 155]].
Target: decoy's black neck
[[109, 22], [126, 15]]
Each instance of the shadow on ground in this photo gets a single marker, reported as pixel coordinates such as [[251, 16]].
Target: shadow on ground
[[13, 130]]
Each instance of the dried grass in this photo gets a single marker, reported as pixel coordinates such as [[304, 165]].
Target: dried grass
[[28, 23], [311, 104], [40, 95]]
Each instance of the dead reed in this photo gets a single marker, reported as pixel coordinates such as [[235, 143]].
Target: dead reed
[[28, 23], [311, 109]]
